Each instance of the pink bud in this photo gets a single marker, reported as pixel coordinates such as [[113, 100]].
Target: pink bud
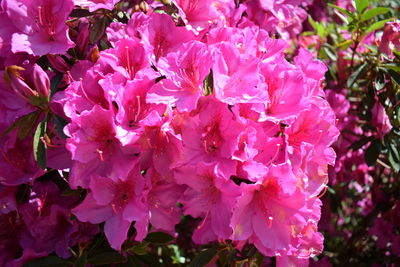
[[41, 81], [58, 63]]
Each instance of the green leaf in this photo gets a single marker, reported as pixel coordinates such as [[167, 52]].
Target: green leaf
[[55, 82], [318, 27], [376, 26], [82, 260], [369, 14], [47, 261], [24, 125], [379, 81], [159, 238], [345, 12], [394, 157], [39, 148], [70, 192], [208, 84], [372, 152], [395, 76], [97, 30], [80, 13], [140, 249], [107, 257], [330, 52], [344, 45], [203, 258], [354, 76], [59, 124], [392, 66], [361, 5], [362, 142]]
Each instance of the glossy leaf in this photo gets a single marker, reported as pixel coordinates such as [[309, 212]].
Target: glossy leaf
[[39, 147], [203, 258], [369, 14]]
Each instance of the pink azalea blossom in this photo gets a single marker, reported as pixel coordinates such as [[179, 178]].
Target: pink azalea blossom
[[185, 71], [93, 5], [210, 196], [40, 25], [118, 202]]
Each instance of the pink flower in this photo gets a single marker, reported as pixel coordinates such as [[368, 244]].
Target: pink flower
[[118, 202], [237, 77], [95, 147], [162, 201], [390, 38], [265, 212], [93, 5], [380, 119], [287, 91], [210, 196], [200, 14], [162, 36], [185, 71], [211, 135], [40, 25]]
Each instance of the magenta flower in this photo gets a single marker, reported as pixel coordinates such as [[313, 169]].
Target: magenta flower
[[118, 202], [95, 147], [209, 195], [185, 71], [40, 25], [265, 212], [211, 135], [390, 38], [93, 5]]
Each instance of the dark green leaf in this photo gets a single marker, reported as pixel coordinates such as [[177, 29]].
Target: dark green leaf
[[394, 156], [208, 84], [55, 82], [395, 76], [376, 26], [82, 260], [330, 52], [107, 257], [369, 14], [159, 238], [345, 12], [80, 13], [39, 147], [360, 143], [59, 124], [140, 249], [203, 258], [372, 152], [391, 66], [24, 125], [379, 81], [70, 192], [344, 45], [97, 30], [361, 5], [47, 261], [354, 76]]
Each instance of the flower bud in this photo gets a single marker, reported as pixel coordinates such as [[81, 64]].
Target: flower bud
[[58, 63]]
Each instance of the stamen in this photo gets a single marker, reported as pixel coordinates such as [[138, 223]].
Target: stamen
[[278, 146], [270, 219], [48, 143], [138, 110], [203, 222], [128, 62], [40, 11], [323, 192], [100, 154]]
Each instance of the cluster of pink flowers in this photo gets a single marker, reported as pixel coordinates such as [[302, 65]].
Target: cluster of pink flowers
[[209, 114]]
